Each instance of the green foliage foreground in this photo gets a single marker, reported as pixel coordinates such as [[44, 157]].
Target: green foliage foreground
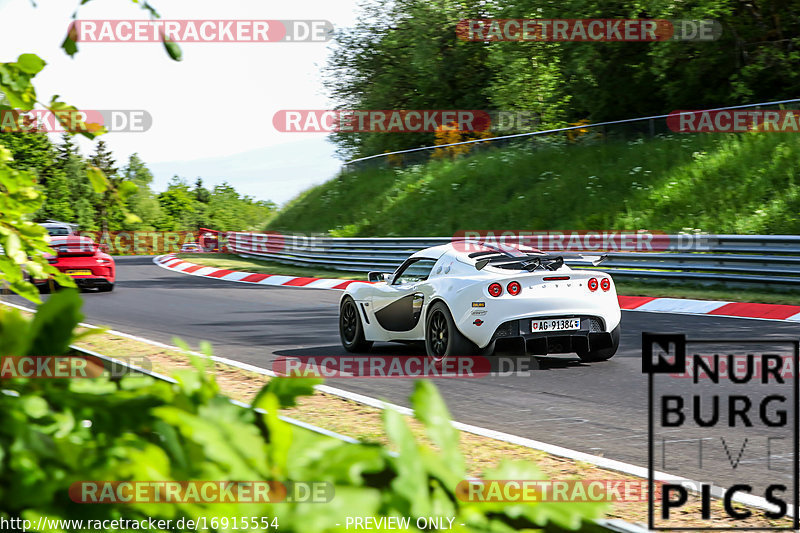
[[22, 243], [56, 432]]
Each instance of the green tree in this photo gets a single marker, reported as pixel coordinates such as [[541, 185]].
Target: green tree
[[230, 211], [81, 195], [109, 213], [201, 194], [57, 203], [143, 202], [178, 206], [32, 151], [406, 55]]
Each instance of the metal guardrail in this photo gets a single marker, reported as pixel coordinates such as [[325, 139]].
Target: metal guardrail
[[650, 126], [730, 259]]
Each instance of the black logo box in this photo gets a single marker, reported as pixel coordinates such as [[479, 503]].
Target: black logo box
[[678, 366]]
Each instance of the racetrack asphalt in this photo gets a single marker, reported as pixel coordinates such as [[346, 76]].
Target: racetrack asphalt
[[598, 408]]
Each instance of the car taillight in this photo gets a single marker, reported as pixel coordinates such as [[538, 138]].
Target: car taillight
[[592, 284], [495, 289], [514, 288], [605, 284]]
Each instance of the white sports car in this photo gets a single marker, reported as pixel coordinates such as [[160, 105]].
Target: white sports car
[[465, 298]]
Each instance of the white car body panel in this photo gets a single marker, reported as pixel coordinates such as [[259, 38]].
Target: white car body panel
[[456, 281]]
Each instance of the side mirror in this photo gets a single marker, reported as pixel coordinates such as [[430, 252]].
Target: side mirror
[[376, 277]]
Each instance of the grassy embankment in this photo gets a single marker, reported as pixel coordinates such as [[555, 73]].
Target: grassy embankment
[[717, 183]]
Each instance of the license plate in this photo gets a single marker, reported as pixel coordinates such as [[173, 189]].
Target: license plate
[[557, 324], [79, 272]]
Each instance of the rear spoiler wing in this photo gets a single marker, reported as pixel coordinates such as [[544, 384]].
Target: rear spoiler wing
[[572, 259], [585, 259]]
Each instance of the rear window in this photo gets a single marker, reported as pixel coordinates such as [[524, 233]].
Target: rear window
[[54, 232]]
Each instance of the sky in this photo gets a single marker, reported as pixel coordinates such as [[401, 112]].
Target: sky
[[212, 112]]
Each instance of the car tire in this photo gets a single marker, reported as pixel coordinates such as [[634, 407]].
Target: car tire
[[487, 351], [351, 331], [442, 338], [105, 288], [603, 354]]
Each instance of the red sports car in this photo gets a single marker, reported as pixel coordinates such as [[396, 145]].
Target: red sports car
[[83, 260]]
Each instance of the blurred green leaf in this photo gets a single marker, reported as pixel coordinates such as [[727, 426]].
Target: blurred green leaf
[[430, 409], [280, 435], [411, 482], [13, 248], [131, 218], [14, 332], [287, 390], [97, 178], [53, 323], [70, 45], [34, 407], [30, 63], [173, 49]]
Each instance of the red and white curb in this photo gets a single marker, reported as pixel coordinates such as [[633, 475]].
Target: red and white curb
[[682, 306], [171, 262], [711, 307]]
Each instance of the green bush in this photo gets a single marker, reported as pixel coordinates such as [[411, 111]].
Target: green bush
[[56, 432]]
